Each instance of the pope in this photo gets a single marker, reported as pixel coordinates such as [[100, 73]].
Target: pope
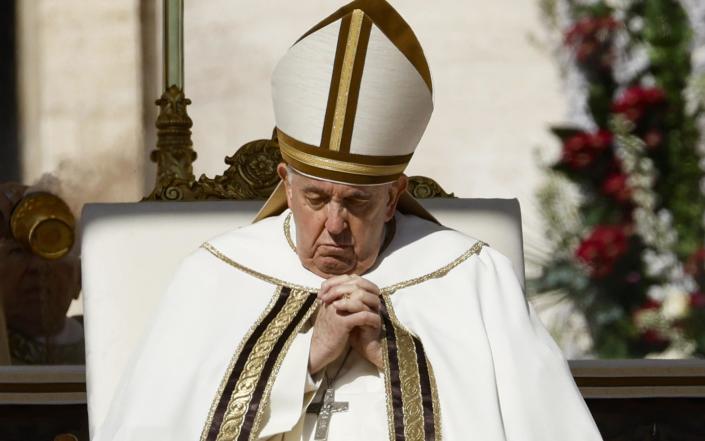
[[345, 311]]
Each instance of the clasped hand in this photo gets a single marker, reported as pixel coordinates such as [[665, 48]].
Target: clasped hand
[[348, 315]]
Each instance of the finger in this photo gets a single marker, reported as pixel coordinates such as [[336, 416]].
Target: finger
[[350, 289], [372, 301], [362, 283], [336, 292], [350, 306], [365, 284], [363, 318], [331, 282]]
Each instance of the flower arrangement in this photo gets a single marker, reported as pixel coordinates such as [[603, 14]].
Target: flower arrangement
[[634, 261]]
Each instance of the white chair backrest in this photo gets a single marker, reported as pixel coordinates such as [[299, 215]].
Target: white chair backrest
[[130, 251]]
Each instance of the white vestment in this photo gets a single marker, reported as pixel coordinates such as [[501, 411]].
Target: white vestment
[[496, 374]]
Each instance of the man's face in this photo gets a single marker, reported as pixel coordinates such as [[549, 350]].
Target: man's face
[[339, 227]]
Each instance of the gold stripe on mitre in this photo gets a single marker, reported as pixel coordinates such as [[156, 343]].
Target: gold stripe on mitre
[[349, 63], [344, 83], [388, 20]]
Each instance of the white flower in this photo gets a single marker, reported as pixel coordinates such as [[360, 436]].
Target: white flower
[[675, 305], [636, 24], [657, 293], [665, 217], [648, 81]]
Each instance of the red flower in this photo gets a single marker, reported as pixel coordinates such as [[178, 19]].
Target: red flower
[[653, 138], [652, 337], [697, 300], [651, 304], [695, 266], [635, 101], [616, 186], [602, 248], [590, 28], [581, 149], [591, 39]]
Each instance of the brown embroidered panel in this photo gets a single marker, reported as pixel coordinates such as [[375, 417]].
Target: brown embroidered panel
[[412, 401], [395, 406], [238, 408], [429, 407]]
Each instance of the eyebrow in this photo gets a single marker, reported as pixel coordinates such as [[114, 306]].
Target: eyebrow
[[356, 194]]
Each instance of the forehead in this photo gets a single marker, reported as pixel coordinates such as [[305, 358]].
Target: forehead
[[307, 184]]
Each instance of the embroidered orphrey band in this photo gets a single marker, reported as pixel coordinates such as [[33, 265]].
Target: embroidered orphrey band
[[238, 408], [413, 409], [391, 289]]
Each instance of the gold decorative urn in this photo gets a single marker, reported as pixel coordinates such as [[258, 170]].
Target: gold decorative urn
[[43, 223]]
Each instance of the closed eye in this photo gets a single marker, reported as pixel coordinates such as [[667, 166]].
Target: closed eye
[[316, 200], [356, 201]]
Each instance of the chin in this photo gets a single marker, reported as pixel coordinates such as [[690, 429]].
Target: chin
[[332, 266]]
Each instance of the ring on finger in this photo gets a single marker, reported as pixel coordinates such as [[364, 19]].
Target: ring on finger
[[347, 296]]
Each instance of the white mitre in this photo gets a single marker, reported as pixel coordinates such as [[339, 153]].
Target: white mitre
[[352, 98]]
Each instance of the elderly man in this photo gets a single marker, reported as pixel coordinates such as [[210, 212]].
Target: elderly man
[[346, 312]]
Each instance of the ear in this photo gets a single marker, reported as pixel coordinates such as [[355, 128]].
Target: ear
[[284, 176], [397, 189]]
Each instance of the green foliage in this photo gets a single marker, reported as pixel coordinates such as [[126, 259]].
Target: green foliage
[[610, 287]]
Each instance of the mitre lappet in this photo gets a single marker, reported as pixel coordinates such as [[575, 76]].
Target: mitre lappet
[[352, 99]]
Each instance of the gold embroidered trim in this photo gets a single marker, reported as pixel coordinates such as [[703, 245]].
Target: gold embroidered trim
[[341, 103], [253, 369], [256, 274], [411, 382], [475, 249], [339, 166], [287, 232], [257, 426], [357, 158], [409, 378], [436, 402], [233, 360], [241, 397]]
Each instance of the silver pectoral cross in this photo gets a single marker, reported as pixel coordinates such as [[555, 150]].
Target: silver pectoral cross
[[325, 410]]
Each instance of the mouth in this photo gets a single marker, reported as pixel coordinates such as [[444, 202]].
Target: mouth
[[333, 249]]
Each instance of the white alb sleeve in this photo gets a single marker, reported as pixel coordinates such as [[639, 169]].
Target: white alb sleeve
[[292, 390]]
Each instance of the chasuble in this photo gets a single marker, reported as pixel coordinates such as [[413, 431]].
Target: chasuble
[[226, 356]]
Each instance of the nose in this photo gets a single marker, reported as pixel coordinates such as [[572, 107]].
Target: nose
[[336, 222]]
